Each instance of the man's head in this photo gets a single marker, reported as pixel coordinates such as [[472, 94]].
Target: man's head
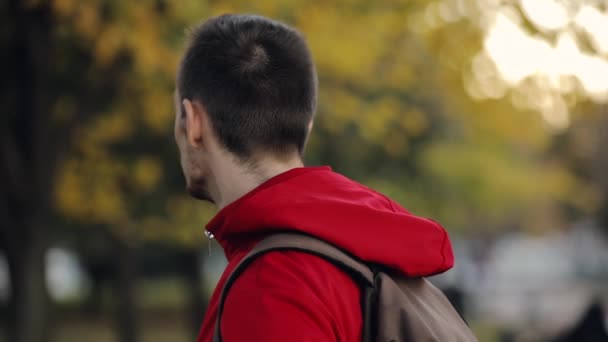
[[246, 87]]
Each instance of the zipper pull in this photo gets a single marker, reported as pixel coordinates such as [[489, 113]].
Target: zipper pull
[[209, 236]]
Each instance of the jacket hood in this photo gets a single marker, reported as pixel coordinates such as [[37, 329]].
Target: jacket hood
[[325, 204]]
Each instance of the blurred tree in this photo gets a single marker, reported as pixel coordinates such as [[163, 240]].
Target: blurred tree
[[28, 152], [87, 92], [395, 113], [582, 149], [514, 102], [87, 135], [122, 170]]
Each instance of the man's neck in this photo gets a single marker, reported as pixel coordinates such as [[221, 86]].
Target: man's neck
[[231, 180]]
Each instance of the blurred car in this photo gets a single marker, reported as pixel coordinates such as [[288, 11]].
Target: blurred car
[[542, 283]]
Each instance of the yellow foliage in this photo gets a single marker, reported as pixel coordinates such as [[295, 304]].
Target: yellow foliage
[[111, 127], [187, 220], [108, 44], [87, 19], [501, 185], [143, 40], [396, 144], [158, 110], [64, 7], [375, 120], [400, 75], [69, 198], [337, 107], [351, 55], [414, 122], [107, 201], [89, 191], [189, 12], [221, 7], [147, 172], [372, 57]]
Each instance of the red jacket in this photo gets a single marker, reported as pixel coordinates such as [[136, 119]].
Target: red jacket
[[294, 296]]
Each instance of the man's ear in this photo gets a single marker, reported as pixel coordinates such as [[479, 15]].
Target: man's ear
[[195, 119]]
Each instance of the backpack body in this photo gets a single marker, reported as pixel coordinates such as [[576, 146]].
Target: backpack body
[[395, 308]]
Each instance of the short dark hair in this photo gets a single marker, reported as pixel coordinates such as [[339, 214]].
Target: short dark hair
[[256, 79]]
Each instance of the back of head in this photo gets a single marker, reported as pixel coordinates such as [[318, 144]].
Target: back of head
[[256, 80]]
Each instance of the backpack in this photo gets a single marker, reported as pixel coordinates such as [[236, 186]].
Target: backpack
[[395, 308]]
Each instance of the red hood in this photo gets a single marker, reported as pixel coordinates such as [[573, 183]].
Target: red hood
[[336, 209]]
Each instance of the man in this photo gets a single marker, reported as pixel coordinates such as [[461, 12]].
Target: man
[[245, 100]]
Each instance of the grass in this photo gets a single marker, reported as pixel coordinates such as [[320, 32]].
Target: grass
[[162, 318], [154, 327]]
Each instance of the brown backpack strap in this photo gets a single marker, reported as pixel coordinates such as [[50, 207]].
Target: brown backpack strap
[[296, 242]]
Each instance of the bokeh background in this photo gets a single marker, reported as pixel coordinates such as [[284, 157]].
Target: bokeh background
[[489, 116]]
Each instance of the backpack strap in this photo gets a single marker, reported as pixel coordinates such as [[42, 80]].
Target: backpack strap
[[308, 244]]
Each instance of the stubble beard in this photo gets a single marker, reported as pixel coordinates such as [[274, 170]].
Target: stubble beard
[[198, 189]]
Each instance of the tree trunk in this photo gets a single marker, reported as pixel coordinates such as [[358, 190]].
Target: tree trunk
[[601, 165], [29, 302], [190, 263], [26, 167], [126, 283]]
